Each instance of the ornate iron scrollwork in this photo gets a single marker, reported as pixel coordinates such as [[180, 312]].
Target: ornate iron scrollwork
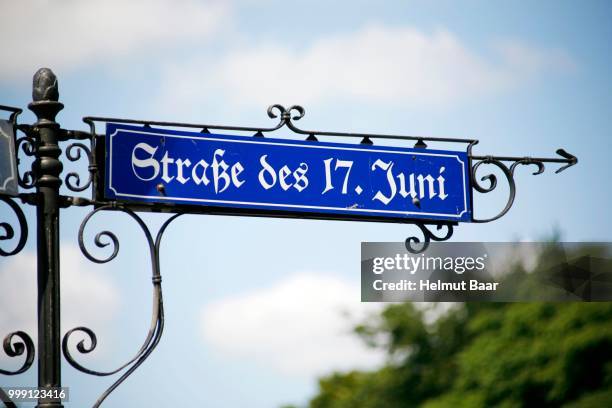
[[157, 318], [28, 147], [73, 153], [15, 348], [287, 116], [17, 343], [492, 179], [414, 245], [7, 232], [508, 172]]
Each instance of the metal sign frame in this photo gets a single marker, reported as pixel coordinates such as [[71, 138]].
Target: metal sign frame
[[340, 204], [8, 182]]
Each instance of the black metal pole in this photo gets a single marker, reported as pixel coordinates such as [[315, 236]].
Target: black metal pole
[[47, 169]]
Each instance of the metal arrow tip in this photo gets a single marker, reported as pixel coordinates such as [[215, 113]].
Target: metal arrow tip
[[571, 160]]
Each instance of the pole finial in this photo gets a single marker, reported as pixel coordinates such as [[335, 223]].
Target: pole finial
[[44, 87]]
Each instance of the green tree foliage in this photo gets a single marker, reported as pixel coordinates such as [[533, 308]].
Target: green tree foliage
[[484, 355]]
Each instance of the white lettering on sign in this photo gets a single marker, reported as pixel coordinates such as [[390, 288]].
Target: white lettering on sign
[[425, 185], [152, 162], [287, 178], [222, 174], [149, 162]]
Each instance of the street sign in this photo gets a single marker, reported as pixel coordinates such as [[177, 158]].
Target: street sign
[[8, 159], [265, 176], [137, 168]]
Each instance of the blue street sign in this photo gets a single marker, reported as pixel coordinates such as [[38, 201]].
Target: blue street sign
[[268, 176]]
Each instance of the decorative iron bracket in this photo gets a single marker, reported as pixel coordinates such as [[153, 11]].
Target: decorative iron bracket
[[41, 141]]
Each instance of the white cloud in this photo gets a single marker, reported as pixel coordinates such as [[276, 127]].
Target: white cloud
[[377, 63], [89, 296], [70, 34], [300, 326]]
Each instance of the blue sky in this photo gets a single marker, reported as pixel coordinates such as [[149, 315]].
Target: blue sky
[[256, 308]]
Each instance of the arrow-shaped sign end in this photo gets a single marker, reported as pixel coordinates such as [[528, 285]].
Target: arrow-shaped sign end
[[571, 160]]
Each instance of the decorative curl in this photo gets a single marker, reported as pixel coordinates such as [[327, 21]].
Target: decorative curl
[[157, 316], [285, 114], [73, 153], [492, 179], [7, 231], [280, 108], [29, 147], [82, 348], [414, 245], [28, 180], [14, 348], [526, 162], [98, 240], [300, 110]]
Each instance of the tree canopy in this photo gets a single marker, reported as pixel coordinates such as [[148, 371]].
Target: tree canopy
[[483, 355]]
